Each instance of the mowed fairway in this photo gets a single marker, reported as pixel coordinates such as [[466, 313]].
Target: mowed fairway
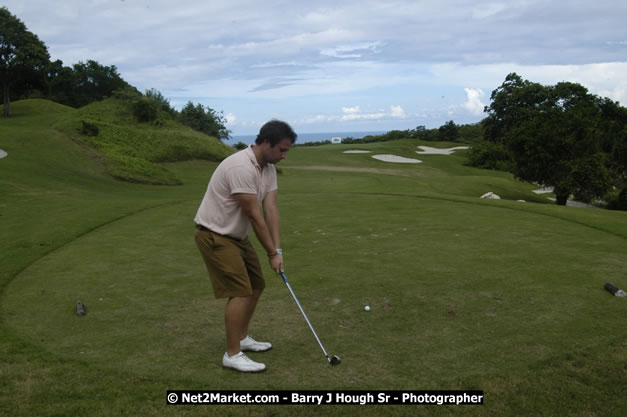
[[500, 296]]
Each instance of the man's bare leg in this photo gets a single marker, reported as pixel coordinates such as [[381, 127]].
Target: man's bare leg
[[237, 315]]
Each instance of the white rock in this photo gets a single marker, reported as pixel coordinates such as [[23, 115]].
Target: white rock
[[491, 195]]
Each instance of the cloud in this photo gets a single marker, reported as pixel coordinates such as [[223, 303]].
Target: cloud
[[354, 114], [350, 110], [230, 119], [606, 79], [353, 51], [397, 111], [399, 60], [473, 100], [275, 83], [487, 10]]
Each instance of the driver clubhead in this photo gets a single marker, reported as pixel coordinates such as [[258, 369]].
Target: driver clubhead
[[335, 360]]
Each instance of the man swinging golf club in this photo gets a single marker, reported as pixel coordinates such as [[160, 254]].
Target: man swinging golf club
[[241, 184]]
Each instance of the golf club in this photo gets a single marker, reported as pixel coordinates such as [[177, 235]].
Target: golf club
[[334, 360], [614, 290]]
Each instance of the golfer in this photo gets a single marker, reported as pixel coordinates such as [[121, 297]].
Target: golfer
[[240, 185]]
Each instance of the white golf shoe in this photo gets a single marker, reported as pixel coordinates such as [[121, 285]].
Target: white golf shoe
[[242, 363], [248, 344]]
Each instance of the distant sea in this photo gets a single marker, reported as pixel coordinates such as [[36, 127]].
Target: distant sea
[[307, 137]]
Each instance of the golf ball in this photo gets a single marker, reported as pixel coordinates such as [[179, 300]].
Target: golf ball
[[367, 308]]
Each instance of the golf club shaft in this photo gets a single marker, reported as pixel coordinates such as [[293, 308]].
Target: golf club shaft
[[304, 315]]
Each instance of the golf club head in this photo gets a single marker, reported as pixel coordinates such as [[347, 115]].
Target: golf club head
[[335, 360]]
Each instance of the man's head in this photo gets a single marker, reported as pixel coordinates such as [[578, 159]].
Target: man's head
[[274, 131]]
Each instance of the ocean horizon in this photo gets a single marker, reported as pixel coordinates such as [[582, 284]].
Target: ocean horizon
[[308, 137]]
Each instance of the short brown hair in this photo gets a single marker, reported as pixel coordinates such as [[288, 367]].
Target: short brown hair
[[274, 131]]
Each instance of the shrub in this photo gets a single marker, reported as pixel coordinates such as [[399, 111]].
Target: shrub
[[89, 129], [240, 145], [145, 110], [448, 132], [490, 155], [617, 200], [127, 94], [161, 102], [205, 120]]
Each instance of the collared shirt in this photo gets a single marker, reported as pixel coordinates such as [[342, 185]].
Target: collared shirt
[[240, 173]]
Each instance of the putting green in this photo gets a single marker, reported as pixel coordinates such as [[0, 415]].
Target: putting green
[[456, 290]]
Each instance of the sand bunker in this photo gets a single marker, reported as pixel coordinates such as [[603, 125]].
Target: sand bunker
[[396, 159], [544, 190], [436, 151], [385, 171], [357, 151]]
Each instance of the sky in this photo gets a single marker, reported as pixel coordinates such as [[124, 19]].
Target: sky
[[339, 66]]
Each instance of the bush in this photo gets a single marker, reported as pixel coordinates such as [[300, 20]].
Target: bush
[[137, 170], [205, 120], [161, 102], [145, 110], [448, 132], [617, 200], [127, 94], [89, 129], [472, 133], [490, 155]]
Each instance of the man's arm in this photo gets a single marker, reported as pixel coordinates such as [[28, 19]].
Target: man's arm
[[250, 206], [271, 215]]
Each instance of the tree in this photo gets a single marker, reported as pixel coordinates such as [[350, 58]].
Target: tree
[[145, 109], [59, 82], [615, 135], [471, 132], [418, 132], [240, 146], [511, 103], [162, 102], [23, 57], [93, 82], [490, 155], [204, 120], [557, 136], [448, 132], [422, 133]]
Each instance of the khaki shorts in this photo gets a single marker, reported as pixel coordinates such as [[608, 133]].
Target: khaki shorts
[[233, 265]]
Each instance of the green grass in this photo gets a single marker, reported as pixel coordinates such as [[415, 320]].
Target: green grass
[[130, 150], [502, 296]]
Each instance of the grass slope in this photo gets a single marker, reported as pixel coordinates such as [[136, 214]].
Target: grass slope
[[132, 150], [465, 293]]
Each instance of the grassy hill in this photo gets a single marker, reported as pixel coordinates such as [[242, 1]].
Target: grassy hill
[[131, 150], [465, 293]]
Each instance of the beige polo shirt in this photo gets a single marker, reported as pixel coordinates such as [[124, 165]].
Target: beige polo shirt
[[238, 174]]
